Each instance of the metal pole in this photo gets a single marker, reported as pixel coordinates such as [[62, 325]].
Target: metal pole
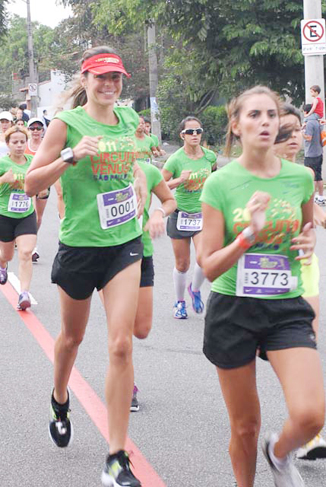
[[314, 65], [32, 74], [153, 81]]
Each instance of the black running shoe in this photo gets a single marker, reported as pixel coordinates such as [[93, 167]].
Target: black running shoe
[[117, 471], [60, 427]]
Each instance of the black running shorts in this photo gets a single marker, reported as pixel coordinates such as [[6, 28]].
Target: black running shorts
[[315, 163], [236, 327], [79, 270], [11, 228], [147, 272], [171, 228]]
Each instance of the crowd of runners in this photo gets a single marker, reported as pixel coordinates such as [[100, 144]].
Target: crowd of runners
[[252, 224]]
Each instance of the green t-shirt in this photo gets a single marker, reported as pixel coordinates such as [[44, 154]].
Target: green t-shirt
[[155, 140], [229, 190], [111, 169], [188, 193], [144, 152], [153, 178], [13, 201]]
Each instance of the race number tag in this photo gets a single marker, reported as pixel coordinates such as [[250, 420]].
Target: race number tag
[[264, 275], [117, 207], [190, 222], [19, 203]]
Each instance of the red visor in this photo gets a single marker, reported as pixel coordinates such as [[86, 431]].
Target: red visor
[[104, 63]]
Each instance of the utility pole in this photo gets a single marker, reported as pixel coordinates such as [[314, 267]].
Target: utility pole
[[153, 80], [314, 65], [33, 81]]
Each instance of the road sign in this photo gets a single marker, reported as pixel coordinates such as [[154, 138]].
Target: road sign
[[32, 89], [313, 37]]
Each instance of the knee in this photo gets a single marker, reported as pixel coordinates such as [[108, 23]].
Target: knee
[[120, 349], [142, 332], [25, 255], [182, 265], [246, 430], [311, 420], [72, 342]]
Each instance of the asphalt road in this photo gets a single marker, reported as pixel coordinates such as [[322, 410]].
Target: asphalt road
[[182, 427]]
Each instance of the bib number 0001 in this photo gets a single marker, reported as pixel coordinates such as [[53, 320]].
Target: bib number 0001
[[117, 207]]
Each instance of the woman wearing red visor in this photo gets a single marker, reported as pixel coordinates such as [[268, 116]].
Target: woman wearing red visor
[[92, 149]]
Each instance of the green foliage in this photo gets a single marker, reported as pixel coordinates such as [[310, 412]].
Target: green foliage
[[214, 120], [145, 113]]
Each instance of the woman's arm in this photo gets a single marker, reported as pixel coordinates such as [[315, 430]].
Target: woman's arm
[[306, 240], [140, 186], [174, 183], [155, 224]]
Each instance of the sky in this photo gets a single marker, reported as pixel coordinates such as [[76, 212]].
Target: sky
[[44, 11]]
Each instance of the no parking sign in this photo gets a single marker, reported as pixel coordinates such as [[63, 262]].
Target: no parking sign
[[313, 37]]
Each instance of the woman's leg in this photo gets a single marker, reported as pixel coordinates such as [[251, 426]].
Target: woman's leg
[[144, 315], [314, 303], [120, 300], [7, 250], [242, 402], [181, 249], [300, 374], [74, 318], [40, 205], [25, 245], [60, 202]]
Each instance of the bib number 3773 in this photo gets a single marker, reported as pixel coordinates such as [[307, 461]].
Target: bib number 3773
[[117, 207], [264, 275]]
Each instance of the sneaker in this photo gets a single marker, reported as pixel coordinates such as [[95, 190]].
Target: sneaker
[[35, 255], [316, 448], [3, 275], [286, 475], [60, 427], [117, 471], [24, 301], [197, 304], [134, 401], [180, 312], [321, 201]]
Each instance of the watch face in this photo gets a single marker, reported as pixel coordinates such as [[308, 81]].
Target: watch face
[[67, 155]]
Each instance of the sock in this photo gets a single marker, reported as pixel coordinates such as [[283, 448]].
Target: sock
[[278, 462], [198, 278], [180, 280]]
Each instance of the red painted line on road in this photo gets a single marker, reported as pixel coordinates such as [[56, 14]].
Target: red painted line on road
[[83, 391]]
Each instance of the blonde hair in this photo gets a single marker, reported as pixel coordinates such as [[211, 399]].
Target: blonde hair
[[77, 93], [13, 130], [234, 110]]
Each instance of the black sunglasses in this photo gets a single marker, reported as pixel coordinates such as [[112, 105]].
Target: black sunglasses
[[35, 128], [192, 131]]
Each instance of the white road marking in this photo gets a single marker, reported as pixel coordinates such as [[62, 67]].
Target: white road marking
[[14, 281]]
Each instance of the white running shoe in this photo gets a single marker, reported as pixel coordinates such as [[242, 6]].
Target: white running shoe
[[312, 450], [287, 475], [321, 201]]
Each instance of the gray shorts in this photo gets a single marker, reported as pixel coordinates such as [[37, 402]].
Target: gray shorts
[[173, 232]]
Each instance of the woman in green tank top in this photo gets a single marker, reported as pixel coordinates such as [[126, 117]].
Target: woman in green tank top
[[257, 226], [92, 149]]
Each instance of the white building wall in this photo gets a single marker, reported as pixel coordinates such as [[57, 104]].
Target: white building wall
[[49, 92]]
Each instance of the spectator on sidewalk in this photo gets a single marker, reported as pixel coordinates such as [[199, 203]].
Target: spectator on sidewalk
[[313, 151]]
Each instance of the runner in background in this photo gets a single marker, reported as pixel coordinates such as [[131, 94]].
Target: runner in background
[[36, 129], [93, 149], [145, 145], [6, 121], [17, 215], [160, 151], [187, 170], [288, 149], [257, 226]]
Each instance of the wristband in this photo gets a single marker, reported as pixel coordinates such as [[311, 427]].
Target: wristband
[[162, 210], [246, 238]]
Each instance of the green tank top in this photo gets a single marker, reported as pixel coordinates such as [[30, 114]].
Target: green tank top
[[97, 191], [14, 203]]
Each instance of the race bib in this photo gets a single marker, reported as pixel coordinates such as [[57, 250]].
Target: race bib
[[19, 203], [264, 275], [117, 207], [190, 222]]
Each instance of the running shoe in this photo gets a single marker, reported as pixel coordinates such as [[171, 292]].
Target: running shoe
[[287, 475], [180, 312], [320, 201], [197, 304], [134, 401], [35, 255], [316, 448], [24, 301], [117, 471], [3, 275], [60, 427]]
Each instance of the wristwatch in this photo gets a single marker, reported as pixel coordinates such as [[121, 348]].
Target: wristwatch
[[67, 155], [249, 235]]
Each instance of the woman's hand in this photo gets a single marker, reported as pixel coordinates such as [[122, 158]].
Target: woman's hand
[[257, 206], [305, 243], [155, 224], [184, 176], [87, 146], [8, 177], [140, 188]]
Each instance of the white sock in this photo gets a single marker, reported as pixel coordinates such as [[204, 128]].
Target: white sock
[[180, 280], [198, 278], [278, 462]]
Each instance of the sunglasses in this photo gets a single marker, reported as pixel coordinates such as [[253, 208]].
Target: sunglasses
[[35, 128], [193, 131]]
